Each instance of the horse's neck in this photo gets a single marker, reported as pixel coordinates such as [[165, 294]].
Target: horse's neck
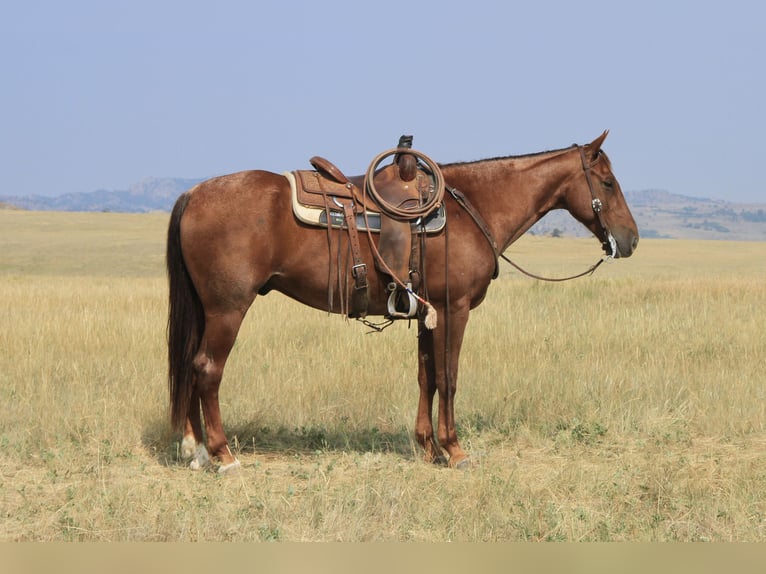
[[512, 194]]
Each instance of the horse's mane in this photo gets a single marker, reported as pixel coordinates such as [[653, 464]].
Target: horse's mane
[[506, 157]]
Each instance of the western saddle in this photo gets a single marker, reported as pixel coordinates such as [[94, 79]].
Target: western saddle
[[399, 201]]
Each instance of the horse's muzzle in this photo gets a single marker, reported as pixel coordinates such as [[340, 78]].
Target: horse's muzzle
[[621, 244]]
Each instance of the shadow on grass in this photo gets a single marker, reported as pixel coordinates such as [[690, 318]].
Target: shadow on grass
[[248, 438]]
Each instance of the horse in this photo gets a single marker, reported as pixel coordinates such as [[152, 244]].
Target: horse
[[234, 237]]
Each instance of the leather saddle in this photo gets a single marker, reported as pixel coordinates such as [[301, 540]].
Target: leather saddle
[[325, 196], [326, 181]]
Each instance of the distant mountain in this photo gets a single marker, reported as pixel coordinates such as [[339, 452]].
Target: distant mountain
[[150, 194], [659, 213], [656, 197]]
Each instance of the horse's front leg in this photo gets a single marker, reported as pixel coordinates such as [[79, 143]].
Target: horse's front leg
[[424, 430], [448, 340]]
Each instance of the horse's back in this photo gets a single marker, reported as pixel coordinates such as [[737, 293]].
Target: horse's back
[[244, 189], [234, 203]]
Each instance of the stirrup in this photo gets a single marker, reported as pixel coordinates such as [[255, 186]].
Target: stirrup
[[412, 303]]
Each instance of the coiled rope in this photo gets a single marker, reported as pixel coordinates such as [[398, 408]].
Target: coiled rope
[[407, 212]]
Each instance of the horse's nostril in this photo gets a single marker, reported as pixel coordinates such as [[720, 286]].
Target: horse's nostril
[[635, 243]]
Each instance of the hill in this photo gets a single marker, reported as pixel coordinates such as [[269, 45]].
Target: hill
[[659, 213], [150, 194]]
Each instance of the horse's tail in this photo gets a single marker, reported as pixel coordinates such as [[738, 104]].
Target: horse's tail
[[186, 321]]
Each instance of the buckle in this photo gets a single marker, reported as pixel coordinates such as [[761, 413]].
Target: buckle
[[358, 268]]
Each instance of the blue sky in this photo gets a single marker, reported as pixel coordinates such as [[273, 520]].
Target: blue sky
[[101, 94]]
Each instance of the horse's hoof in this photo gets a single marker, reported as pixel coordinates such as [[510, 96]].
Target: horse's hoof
[[436, 460], [230, 468], [201, 459], [188, 447], [440, 461], [462, 464]]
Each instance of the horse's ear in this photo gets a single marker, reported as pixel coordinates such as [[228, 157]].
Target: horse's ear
[[595, 145]]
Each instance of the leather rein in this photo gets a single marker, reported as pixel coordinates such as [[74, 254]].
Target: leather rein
[[608, 243]]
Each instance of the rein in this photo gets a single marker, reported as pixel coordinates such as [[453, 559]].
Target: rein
[[463, 202], [589, 271]]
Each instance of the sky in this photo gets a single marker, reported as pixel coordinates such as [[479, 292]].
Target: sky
[[102, 94]]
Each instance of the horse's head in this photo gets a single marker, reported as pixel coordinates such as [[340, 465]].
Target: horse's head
[[594, 198]]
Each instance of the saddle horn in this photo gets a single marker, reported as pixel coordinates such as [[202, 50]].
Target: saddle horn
[[407, 163]]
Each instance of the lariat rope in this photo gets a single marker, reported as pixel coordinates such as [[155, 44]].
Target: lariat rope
[[407, 213]]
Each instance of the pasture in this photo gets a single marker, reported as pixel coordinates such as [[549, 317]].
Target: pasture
[[626, 406]]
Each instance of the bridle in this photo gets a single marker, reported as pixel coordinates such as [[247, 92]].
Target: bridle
[[608, 244]]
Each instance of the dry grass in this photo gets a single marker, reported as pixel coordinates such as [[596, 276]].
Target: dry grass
[[625, 406]]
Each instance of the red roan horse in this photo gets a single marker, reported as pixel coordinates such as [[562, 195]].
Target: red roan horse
[[234, 237]]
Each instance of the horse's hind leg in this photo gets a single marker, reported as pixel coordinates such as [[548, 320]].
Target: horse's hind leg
[[217, 342], [193, 444]]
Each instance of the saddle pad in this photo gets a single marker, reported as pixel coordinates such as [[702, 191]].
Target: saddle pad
[[317, 216]]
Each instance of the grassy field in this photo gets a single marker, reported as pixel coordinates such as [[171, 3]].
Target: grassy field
[[624, 406]]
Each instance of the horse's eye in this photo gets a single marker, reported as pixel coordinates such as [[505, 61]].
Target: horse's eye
[[608, 184]]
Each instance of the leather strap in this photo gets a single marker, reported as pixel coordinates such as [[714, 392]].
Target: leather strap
[[330, 279], [595, 201], [359, 268], [463, 202]]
